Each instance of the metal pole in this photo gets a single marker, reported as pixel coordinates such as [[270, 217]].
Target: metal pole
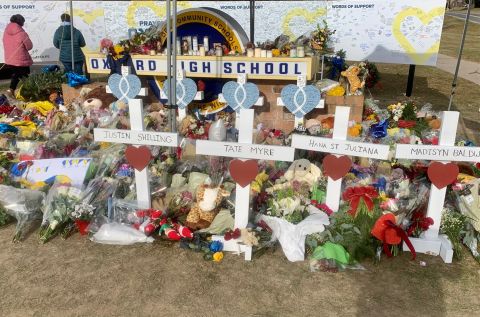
[[411, 77], [169, 54], [173, 81], [71, 35], [455, 77], [252, 21]]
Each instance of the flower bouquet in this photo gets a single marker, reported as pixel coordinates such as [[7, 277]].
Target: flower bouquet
[[82, 215], [22, 205], [321, 38], [453, 226], [59, 206]]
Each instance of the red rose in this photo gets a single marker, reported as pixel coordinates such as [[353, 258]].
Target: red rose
[[406, 124]]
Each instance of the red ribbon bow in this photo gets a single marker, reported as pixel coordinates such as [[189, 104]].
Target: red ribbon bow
[[354, 194], [386, 230]]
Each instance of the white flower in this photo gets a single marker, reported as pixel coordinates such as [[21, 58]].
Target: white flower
[[288, 205], [53, 224]]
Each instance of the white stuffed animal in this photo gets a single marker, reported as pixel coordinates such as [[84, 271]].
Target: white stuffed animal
[[300, 170]]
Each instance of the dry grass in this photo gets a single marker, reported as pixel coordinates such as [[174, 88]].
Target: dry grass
[[433, 86], [452, 35], [79, 278]]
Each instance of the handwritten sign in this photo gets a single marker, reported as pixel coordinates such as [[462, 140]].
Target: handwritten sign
[[341, 147], [75, 169], [438, 153], [281, 68], [136, 137], [246, 151]]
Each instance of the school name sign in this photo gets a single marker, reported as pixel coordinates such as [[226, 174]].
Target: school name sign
[[214, 67]]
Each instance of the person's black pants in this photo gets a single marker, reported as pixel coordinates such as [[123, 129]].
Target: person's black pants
[[17, 73]]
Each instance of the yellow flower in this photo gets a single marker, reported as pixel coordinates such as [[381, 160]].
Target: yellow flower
[[355, 130], [393, 131], [118, 49], [276, 52], [371, 117], [217, 256], [383, 196], [336, 91]]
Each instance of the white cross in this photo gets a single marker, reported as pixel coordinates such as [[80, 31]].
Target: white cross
[[431, 242], [338, 144], [244, 149], [301, 82], [137, 136]]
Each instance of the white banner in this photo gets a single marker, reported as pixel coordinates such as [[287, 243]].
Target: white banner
[[406, 32]]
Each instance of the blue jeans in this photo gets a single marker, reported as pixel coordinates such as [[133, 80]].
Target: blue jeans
[[78, 67]]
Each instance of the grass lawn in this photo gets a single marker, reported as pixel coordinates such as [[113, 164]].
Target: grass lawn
[[433, 86], [452, 35]]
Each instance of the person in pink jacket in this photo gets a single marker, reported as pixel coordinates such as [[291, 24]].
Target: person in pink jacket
[[16, 45]]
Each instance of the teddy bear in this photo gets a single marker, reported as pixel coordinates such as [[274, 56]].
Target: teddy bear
[[301, 171], [97, 99], [96, 106], [206, 207], [352, 76]]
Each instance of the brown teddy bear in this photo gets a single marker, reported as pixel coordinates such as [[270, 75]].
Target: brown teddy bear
[[98, 99], [352, 76], [207, 206]]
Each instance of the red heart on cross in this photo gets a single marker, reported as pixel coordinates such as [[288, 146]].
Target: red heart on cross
[[441, 174], [243, 172], [336, 167], [138, 157]]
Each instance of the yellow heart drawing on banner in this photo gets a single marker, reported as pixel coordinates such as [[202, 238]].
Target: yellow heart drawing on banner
[[309, 16], [159, 11], [424, 17], [88, 16]]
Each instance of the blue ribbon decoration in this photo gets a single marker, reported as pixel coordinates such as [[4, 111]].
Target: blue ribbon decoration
[[338, 64], [379, 130], [75, 80], [5, 128]]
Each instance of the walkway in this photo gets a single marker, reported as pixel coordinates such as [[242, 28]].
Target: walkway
[[468, 70], [474, 16]]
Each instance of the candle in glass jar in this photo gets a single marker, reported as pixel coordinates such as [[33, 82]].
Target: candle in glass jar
[[250, 52], [153, 52], [263, 53], [300, 51], [195, 43], [218, 51], [269, 54], [206, 43], [179, 46], [258, 52], [201, 50], [293, 52]]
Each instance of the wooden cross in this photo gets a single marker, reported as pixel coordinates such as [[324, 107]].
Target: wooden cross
[[244, 149], [339, 145], [431, 242], [137, 136]]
